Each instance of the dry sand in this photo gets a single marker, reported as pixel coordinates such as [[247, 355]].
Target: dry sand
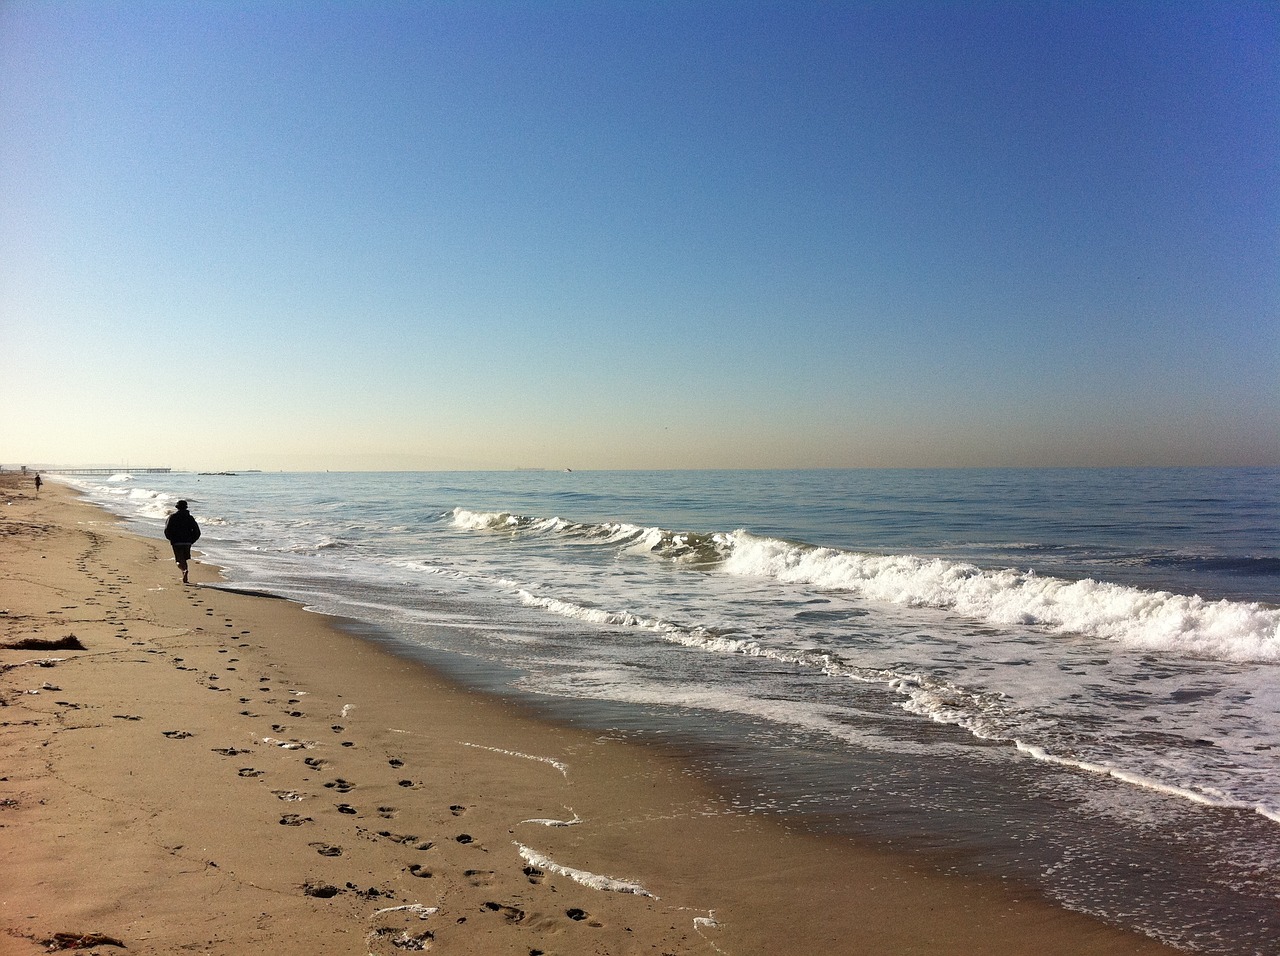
[[224, 773]]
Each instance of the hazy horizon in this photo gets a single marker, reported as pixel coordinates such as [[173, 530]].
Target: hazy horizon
[[484, 235], [54, 470]]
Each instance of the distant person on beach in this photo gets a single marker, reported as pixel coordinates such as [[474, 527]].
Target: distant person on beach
[[182, 531], [38, 484]]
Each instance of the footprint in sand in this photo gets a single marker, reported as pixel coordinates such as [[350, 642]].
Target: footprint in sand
[[402, 838], [372, 893], [293, 820], [250, 772], [228, 751], [457, 809], [177, 734], [396, 762], [479, 877], [387, 813], [534, 874], [512, 914], [465, 838], [314, 763], [326, 849], [346, 808], [340, 785], [420, 871], [408, 783]]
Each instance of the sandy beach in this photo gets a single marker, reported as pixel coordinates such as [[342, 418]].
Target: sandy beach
[[190, 769]]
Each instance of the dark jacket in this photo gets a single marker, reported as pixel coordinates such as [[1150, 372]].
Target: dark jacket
[[181, 528]]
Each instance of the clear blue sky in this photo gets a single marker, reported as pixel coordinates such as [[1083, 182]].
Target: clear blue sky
[[639, 234]]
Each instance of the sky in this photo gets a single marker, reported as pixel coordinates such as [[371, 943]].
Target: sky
[[647, 234]]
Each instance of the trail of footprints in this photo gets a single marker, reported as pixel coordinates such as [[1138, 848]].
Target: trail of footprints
[[108, 599], [108, 592], [402, 936]]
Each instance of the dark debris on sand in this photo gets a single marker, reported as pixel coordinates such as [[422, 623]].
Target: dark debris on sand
[[68, 643], [61, 941]]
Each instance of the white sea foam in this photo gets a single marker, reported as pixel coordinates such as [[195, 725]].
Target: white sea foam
[[562, 767], [544, 822], [418, 909], [482, 520], [1149, 620], [1198, 795], [581, 613], [593, 880], [707, 922], [289, 744], [987, 715]]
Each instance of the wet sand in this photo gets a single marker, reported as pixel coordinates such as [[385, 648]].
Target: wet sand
[[226, 773]]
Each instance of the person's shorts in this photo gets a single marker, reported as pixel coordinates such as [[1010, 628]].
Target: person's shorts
[[182, 552]]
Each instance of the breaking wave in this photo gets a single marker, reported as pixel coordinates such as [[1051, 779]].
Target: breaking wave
[[1186, 625]]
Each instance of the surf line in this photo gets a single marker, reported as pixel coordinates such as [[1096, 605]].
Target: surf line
[[562, 767], [1137, 780], [593, 880], [557, 823], [422, 912]]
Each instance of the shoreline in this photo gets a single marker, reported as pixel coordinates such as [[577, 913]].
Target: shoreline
[[230, 774]]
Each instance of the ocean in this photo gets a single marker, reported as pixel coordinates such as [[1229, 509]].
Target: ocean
[[1063, 678]]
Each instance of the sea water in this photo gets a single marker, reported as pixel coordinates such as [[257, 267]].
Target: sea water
[[1066, 678]]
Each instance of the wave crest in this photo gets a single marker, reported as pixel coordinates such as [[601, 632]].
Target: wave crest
[[1186, 625], [1151, 620]]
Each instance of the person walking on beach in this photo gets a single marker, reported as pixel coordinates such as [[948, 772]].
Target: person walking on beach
[[38, 484], [182, 531]]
